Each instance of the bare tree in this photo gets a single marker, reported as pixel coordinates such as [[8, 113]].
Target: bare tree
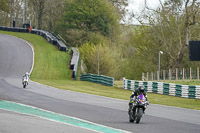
[[39, 9], [191, 12], [171, 23]]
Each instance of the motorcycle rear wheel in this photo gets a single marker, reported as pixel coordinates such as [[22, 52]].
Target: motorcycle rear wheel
[[24, 85], [131, 117]]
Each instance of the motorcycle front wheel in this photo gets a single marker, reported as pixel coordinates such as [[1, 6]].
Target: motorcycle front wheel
[[139, 115]]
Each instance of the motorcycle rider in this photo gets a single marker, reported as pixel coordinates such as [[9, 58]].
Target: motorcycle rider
[[138, 91], [27, 76]]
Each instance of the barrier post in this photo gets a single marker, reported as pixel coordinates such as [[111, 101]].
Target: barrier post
[[147, 76], [158, 78], [164, 75]]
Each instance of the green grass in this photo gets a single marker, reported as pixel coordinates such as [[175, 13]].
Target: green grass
[[49, 62], [51, 68], [186, 82]]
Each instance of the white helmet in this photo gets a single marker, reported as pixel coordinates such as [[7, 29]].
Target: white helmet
[[27, 73]]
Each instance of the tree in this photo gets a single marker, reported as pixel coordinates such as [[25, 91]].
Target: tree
[[4, 5], [167, 28], [121, 7], [171, 24], [11, 10], [53, 14], [99, 58], [191, 13], [90, 16], [39, 8]]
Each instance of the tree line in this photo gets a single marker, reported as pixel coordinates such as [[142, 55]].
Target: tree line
[[107, 45]]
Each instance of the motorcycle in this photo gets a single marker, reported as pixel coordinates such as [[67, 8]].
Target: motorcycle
[[138, 108], [25, 82]]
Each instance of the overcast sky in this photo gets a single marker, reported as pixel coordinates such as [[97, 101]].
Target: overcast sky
[[136, 6]]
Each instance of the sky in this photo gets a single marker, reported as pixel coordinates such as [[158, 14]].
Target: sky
[[136, 6]]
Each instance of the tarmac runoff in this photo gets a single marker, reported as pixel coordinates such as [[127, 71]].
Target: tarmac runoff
[[33, 111]]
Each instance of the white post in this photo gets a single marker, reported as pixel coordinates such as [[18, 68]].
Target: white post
[[160, 52]]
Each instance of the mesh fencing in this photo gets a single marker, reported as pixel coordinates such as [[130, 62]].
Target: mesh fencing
[[173, 74]]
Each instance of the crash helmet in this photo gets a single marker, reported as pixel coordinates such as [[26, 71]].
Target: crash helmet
[[141, 88], [27, 73]]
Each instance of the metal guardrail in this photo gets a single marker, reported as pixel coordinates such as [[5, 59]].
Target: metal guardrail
[[74, 61], [186, 91], [47, 35], [101, 79]]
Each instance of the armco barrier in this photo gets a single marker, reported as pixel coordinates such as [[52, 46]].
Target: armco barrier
[[74, 61], [47, 35], [185, 91], [101, 79]]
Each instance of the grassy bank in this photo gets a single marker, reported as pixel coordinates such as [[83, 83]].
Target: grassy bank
[[51, 68], [186, 82], [49, 62]]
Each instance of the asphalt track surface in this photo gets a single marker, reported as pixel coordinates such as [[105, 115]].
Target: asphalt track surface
[[16, 59]]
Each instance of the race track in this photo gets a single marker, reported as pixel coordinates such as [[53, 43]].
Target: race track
[[16, 58]]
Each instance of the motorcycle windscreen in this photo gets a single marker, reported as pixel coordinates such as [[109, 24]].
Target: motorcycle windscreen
[[141, 97]]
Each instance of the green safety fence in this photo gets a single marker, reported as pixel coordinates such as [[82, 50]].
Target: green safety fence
[[136, 84], [166, 88], [191, 91], [145, 86], [155, 87], [129, 84], [185, 91], [178, 92], [100, 79]]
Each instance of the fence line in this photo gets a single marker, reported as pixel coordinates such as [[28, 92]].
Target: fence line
[[101, 79], [173, 74], [185, 91]]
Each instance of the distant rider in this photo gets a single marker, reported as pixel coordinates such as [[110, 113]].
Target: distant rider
[[138, 91], [27, 76]]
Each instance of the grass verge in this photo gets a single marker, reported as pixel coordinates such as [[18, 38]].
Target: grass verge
[[51, 68], [186, 82], [49, 62]]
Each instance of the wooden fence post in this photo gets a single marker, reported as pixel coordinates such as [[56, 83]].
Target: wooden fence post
[[190, 73], [183, 74], [147, 76], [152, 76], [198, 73], [142, 76], [169, 74], [158, 78], [164, 75], [176, 73]]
